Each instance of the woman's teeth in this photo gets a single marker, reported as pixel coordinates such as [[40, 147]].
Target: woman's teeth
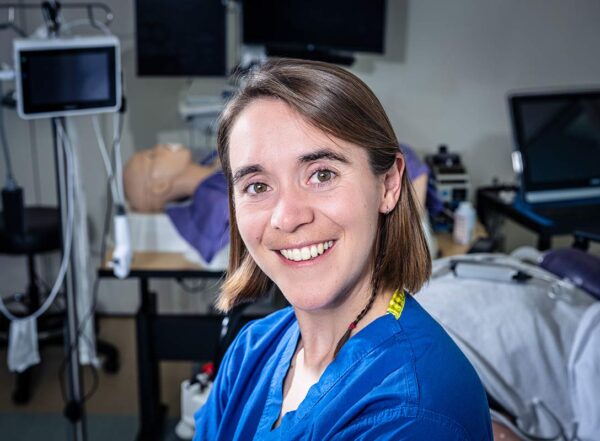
[[306, 253]]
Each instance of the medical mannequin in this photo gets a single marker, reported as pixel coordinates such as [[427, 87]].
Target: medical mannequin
[[162, 174]]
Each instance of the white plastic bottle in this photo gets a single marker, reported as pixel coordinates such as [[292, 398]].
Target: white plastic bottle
[[464, 223]]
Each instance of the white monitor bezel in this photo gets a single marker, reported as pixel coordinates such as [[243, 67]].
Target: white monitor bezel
[[60, 44]]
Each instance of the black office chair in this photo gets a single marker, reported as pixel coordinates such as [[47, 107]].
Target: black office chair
[[42, 234]]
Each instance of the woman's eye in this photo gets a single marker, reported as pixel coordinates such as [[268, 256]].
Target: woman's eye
[[256, 188], [321, 176]]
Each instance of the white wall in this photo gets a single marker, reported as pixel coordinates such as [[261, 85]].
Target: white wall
[[443, 79], [458, 59]]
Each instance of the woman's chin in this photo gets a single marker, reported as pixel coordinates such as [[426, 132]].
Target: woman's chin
[[313, 303]]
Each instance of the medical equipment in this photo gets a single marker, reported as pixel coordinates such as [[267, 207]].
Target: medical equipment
[[449, 176], [487, 271], [67, 76], [557, 139], [58, 77], [123, 252], [12, 194], [122, 255], [77, 76], [68, 235], [193, 396]]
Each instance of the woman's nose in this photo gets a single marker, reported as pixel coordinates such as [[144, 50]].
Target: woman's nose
[[291, 211]]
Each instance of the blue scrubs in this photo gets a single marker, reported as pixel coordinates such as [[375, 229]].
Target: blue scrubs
[[394, 380]]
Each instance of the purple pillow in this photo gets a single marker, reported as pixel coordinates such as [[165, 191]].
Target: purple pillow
[[581, 268]]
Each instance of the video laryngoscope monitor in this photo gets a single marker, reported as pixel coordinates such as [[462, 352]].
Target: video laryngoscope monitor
[[67, 76], [74, 76]]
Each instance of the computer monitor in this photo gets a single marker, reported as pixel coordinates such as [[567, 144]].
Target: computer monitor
[[181, 38], [557, 140], [346, 25], [64, 77]]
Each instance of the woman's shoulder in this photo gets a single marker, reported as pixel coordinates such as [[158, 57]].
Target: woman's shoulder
[[407, 378], [445, 384], [436, 357]]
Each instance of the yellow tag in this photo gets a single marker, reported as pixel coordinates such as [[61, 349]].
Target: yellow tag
[[396, 304]]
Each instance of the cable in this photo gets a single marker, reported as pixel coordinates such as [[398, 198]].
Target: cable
[[43, 32], [95, 291], [82, 322], [105, 157], [111, 191], [68, 26], [117, 160], [10, 180], [68, 240], [14, 27], [112, 163], [35, 161]]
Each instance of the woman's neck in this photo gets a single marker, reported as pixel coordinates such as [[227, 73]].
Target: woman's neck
[[321, 331]]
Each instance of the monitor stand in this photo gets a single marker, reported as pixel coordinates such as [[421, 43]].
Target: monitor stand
[[344, 59]]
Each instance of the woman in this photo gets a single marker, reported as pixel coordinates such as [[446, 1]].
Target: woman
[[321, 207]]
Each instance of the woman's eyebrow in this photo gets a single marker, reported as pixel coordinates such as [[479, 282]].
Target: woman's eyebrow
[[241, 172], [323, 154]]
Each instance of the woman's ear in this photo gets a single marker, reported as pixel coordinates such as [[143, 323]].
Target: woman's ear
[[392, 185]]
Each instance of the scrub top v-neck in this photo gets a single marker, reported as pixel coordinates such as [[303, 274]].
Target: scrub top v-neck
[[395, 379]]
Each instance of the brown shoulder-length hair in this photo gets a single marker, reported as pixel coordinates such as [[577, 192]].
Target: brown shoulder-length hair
[[341, 105]]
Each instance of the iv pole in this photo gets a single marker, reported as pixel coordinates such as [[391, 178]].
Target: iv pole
[[74, 410]]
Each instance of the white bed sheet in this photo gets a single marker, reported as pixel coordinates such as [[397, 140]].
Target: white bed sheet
[[156, 232], [519, 337]]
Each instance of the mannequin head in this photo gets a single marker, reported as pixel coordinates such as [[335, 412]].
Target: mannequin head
[[162, 174]]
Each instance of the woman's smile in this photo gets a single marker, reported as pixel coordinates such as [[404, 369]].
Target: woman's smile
[[307, 253]]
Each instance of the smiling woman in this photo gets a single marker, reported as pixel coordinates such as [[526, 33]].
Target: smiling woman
[[321, 207]]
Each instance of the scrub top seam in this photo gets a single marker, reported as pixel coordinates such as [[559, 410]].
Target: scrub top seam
[[405, 412], [414, 386]]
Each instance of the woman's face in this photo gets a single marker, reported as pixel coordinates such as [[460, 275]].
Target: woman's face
[[307, 205]]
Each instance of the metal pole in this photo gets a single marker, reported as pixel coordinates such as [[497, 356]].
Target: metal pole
[[74, 410]]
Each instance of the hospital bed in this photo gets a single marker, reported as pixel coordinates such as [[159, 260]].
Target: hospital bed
[[533, 338]]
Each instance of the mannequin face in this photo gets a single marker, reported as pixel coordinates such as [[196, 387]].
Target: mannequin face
[[150, 176], [167, 160]]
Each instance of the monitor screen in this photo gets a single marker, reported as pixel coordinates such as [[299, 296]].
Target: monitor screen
[[74, 77], [181, 38], [352, 25], [558, 136], [65, 79]]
